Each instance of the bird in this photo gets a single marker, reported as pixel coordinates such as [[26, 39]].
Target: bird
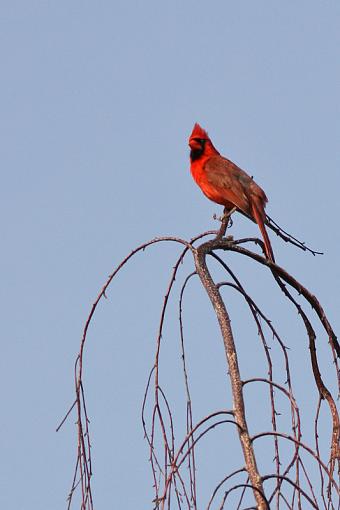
[[223, 182]]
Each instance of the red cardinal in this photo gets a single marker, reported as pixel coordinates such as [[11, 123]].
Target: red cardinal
[[225, 183]]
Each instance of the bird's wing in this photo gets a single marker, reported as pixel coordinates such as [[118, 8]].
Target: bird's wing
[[229, 182]]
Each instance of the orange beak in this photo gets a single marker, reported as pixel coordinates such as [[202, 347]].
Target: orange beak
[[194, 144]]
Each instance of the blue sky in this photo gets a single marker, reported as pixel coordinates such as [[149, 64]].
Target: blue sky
[[97, 103]]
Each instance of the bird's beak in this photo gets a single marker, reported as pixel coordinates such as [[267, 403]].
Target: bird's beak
[[194, 144]]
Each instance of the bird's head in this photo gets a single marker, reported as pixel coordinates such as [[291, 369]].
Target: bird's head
[[199, 142], [198, 138]]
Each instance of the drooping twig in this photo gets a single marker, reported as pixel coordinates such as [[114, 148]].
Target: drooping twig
[[168, 466], [289, 238]]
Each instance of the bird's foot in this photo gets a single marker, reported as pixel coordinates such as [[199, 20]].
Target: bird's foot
[[226, 222]]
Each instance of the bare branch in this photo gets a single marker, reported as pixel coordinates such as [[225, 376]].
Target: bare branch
[[235, 378]]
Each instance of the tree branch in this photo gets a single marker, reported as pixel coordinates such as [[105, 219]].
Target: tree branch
[[234, 372]]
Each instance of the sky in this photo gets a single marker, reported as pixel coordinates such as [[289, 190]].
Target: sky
[[97, 102]]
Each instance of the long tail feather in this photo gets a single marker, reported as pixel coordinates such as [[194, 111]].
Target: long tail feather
[[258, 215]]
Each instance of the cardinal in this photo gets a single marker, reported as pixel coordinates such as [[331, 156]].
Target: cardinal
[[225, 183]]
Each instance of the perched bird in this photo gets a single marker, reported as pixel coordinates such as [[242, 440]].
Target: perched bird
[[225, 183]]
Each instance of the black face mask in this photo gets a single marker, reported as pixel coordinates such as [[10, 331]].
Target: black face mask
[[197, 153]]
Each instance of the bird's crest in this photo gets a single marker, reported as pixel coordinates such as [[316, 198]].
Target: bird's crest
[[199, 132]]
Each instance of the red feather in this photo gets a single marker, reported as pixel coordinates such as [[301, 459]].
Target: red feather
[[225, 183]]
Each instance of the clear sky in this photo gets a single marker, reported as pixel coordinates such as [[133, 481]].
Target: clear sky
[[97, 102]]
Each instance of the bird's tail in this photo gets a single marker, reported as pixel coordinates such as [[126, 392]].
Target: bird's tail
[[259, 216]]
